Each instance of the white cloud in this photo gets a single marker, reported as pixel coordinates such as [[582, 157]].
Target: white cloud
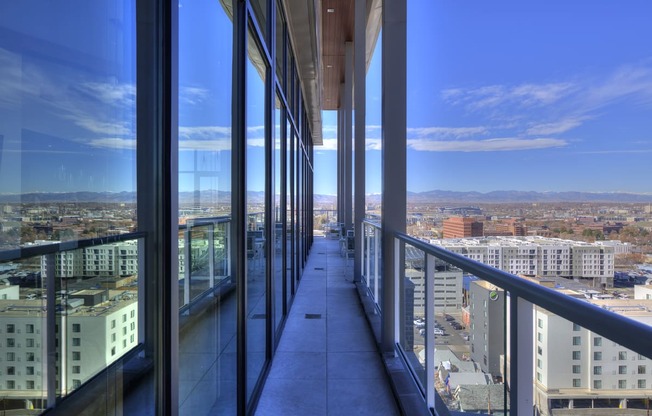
[[329, 144], [206, 145], [489, 145], [113, 143], [374, 144], [204, 132], [192, 95], [491, 96], [110, 92], [454, 132], [556, 127], [95, 125]]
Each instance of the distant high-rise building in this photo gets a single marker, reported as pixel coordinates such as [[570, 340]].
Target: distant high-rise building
[[460, 227]]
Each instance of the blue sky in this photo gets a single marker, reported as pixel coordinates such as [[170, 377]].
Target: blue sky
[[543, 95], [540, 95]]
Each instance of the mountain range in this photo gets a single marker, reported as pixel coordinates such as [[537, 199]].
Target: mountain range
[[436, 196]]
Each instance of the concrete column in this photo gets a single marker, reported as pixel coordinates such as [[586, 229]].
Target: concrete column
[[340, 167], [394, 85], [348, 134], [359, 69]]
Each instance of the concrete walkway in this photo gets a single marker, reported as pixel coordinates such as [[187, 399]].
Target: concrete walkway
[[327, 362]]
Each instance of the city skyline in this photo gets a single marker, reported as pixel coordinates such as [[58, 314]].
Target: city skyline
[[553, 96]]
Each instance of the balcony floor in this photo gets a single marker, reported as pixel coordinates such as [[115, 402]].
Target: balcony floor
[[327, 364]]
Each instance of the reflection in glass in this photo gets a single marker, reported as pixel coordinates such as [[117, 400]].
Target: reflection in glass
[[97, 317], [67, 172], [67, 121], [413, 340], [207, 329], [278, 217], [257, 241], [280, 46], [289, 209]]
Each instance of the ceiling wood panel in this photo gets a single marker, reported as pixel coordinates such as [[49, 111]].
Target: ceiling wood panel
[[337, 29]]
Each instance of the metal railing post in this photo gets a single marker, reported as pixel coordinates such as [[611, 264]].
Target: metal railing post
[[188, 263], [430, 329], [211, 256], [376, 261]]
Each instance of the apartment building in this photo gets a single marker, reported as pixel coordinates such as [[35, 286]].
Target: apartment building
[[89, 336], [576, 368], [539, 256]]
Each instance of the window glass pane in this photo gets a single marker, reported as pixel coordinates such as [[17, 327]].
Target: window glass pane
[[67, 121], [280, 46], [67, 172], [279, 213], [260, 11], [257, 241], [289, 246], [207, 333]]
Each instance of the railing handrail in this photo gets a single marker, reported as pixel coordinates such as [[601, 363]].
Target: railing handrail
[[622, 330], [205, 221], [52, 248], [371, 222]]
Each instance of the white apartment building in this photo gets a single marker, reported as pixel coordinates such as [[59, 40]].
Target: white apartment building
[[576, 368], [539, 256], [89, 338], [109, 260], [618, 246]]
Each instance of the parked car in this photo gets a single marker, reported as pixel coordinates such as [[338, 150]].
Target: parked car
[[449, 318], [439, 331]]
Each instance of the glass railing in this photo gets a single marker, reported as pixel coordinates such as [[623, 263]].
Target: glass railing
[[68, 310], [204, 252], [371, 260], [480, 340]]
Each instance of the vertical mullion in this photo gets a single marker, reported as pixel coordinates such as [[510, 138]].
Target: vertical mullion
[[187, 254], [238, 197], [270, 99], [211, 255], [157, 190]]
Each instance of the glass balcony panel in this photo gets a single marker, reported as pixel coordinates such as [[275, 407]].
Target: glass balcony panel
[[199, 261], [378, 262], [413, 310], [575, 368], [221, 250], [470, 357]]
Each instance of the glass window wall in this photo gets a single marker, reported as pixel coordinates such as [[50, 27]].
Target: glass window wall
[[256, 200]]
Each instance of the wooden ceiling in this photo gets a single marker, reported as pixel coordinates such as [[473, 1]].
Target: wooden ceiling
[[337, 29]]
